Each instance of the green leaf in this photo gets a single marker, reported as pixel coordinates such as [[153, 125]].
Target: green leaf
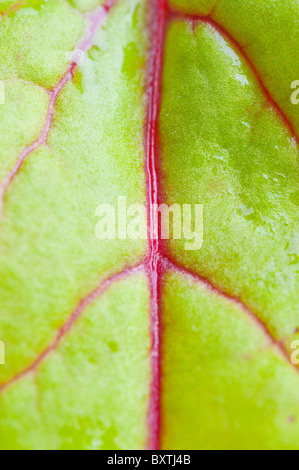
[[125, 344], [225, 145]]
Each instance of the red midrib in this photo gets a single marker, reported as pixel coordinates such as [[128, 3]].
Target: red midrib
[[158, 17]]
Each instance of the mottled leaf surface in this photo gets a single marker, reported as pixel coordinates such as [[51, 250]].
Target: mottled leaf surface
[[76, 312]]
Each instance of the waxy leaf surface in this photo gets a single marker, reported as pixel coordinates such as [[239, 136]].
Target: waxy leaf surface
[[134, 344]]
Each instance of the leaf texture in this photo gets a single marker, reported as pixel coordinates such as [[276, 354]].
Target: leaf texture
[[133, 344]]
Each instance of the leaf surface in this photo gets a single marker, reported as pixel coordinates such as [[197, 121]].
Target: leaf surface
[[129, 344]]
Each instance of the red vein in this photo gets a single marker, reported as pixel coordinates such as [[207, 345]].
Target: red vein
[[13, 8], [67, 326], [152, 151], [96, 20], [172, 264], [173, 14]]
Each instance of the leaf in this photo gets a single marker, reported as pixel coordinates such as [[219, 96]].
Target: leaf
[[124, 344]]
